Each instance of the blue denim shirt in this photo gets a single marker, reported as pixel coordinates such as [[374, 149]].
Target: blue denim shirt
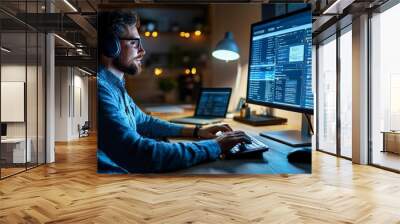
[[128, 136]]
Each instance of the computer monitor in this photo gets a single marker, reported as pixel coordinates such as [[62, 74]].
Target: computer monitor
[[3, 129], [280, 69]]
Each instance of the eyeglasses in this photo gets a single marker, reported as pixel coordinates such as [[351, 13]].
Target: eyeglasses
[[135, 42]]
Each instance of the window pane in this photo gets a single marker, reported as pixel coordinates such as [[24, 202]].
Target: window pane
[[385, 88], [327, 96], [346, 94]]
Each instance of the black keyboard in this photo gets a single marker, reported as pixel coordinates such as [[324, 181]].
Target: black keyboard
[[252, 150]]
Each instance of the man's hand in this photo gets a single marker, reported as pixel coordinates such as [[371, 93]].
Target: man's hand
[[209, 132], [228, 140]]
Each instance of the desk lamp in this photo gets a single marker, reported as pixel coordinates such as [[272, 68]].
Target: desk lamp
[[226, 49]]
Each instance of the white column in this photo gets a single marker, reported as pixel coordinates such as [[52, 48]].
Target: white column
[[50, 92], [360, 90]]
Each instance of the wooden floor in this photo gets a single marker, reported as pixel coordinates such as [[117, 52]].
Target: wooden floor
[[5, 172], [10, 171], [70, 191]]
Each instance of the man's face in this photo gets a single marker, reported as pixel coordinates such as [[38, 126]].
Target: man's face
[[130, 59]]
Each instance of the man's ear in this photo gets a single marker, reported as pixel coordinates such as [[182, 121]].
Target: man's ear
[[110, 46]]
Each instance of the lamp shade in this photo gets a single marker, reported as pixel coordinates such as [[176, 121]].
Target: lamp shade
[[226, 49]]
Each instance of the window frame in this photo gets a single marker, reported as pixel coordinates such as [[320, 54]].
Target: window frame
[[381, 9], [339, 32]]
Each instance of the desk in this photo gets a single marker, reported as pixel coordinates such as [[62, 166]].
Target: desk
[[13, 150], [391, 141], [273, 161]]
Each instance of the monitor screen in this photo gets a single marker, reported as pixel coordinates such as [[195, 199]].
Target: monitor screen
[[213, 102], [280, 70]]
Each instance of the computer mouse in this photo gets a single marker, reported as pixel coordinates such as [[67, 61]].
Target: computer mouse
[[300, 156]]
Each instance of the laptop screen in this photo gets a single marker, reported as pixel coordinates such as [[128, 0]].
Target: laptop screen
[[213, 102]]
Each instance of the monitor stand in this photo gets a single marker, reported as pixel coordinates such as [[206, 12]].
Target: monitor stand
[[260, 120], [293, 138]]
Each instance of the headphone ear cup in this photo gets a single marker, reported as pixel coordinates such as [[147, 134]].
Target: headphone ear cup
[[111, 46]]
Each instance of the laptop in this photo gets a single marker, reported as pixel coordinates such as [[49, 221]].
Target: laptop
[[211, 107]]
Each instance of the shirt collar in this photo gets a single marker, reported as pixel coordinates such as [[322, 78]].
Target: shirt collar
[[110, 77]]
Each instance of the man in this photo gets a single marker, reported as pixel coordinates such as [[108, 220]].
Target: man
[[126, 135]]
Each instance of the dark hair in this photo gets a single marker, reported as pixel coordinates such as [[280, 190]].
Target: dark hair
[[115, 22]]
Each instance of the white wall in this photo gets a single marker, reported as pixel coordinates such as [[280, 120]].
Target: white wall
[[13, 101], [71, 93], [13, 72], [16, 72], [80, 112], [62, 77]]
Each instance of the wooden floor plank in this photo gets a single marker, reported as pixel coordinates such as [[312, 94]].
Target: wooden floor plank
[[70, 191]]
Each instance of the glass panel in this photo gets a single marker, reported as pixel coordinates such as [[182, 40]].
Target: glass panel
[[41, 89], [22, 77], [14, 153], [385, 89], [41, 99], [13, 85], [31, 84], [31, 97], [346, 94], [327, 96]]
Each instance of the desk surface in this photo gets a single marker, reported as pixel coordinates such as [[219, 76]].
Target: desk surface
[[13, 140], [273, 161]]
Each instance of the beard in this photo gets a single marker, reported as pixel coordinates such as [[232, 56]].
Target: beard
[[131, 69]]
